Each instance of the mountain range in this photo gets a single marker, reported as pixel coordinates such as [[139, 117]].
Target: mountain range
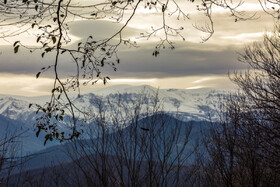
[[197, 105]]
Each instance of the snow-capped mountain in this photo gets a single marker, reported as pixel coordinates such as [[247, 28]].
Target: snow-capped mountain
[[14, 108], [197, 102], [192, 104]]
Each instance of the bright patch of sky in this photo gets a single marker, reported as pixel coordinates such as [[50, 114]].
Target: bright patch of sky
[[28, 85]]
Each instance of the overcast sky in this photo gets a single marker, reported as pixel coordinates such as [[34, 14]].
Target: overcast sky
[[191, 65]]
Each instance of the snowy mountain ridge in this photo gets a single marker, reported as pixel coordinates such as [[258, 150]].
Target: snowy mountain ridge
[[197, 102], [194, 105]]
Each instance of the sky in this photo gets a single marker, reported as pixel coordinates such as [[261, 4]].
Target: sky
[[191, 65]]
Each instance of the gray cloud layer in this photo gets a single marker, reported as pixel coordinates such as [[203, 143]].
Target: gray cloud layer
[[139, 62], [178, 62]]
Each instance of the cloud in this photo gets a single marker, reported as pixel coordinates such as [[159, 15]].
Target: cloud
[[187, 59], [183, 61], [27, 85], [100, 29], [23, 62]]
